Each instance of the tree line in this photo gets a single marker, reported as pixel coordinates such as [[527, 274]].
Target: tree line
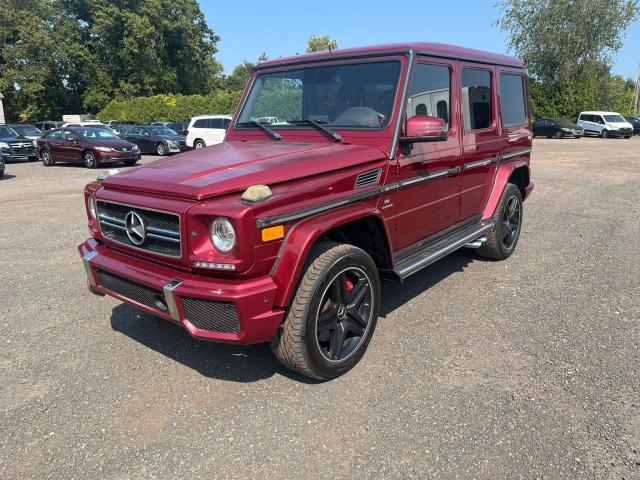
[[147, 60]]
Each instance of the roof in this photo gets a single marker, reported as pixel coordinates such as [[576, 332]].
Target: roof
[[432, 49], [599, 112], [208, 116]]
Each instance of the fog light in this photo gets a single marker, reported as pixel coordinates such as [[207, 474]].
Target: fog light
[[214, 266]]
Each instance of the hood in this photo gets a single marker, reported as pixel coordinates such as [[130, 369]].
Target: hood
[[233, 166], [21, 138], [175, 138], [620, 124]]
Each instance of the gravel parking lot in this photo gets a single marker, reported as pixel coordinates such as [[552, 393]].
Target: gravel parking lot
[[526, 368]]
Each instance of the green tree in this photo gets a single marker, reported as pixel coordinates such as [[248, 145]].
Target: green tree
[[568, 46], [238, 79], [319, 44]]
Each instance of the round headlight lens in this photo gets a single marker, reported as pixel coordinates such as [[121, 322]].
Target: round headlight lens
[[223, 235], [91, 206]]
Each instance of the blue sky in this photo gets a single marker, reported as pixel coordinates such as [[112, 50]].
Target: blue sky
[[281, 28]]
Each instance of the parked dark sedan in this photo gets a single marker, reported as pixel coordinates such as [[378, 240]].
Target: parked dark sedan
[[556, 127], [155, 139], [89, 145], [15, 147], [635, 121]]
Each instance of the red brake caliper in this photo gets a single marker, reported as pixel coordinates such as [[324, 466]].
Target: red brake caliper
[[349, 285]]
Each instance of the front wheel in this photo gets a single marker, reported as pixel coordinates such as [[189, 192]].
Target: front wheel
[[161, 149], [558, 134], [198, 144], [604, 134], [131, 163], [47, 159], [334, 314], [502, 240], [90, 160]]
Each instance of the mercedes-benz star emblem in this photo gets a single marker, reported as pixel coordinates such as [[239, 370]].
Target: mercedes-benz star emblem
[[136, 228]]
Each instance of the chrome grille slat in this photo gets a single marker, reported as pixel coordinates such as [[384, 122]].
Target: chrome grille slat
[[162, 228]]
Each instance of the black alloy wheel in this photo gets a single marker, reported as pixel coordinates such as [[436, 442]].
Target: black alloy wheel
[[511, 220]]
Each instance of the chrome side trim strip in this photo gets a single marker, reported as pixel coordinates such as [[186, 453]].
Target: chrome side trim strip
[[87, 267], [170, 299], [478, 163], [515, 154]]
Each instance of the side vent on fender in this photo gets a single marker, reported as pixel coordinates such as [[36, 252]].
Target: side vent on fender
[[371, 177]]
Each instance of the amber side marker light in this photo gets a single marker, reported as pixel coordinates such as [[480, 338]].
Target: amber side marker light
[[273, 233]]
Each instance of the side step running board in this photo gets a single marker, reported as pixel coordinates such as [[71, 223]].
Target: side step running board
[[431, 253]]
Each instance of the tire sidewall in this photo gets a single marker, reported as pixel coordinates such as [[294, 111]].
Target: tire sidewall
[[509, 192], [47, 159], [198, 145], [161, 149], [86, 162], [324, 367]]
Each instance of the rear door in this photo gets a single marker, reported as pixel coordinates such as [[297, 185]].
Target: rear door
[[52, 143], [514, 118], [480, 137], [215, 131], [429, 198]]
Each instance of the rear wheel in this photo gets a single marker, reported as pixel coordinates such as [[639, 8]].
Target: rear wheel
[[558, 134], [47, 159], [333, 315], [89, 160], [502, 240], [198, 144]]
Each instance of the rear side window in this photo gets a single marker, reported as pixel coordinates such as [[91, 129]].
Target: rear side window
[[512, 103], [200, 123], [476, 98]]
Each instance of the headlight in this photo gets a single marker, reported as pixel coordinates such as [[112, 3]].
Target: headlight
[[136, 148], [34, 143], [172, 144], [223, 235], [104, 149], [4, 145], [91, 206]]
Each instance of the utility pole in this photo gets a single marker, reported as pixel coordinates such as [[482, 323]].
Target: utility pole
[[636, 101]]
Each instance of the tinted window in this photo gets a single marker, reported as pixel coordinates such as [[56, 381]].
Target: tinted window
[[430, 92], [226, 123], [512, 103], [55, 135], [476, 98], [200, 123], [8, 132], [217, 123], [614, 118]]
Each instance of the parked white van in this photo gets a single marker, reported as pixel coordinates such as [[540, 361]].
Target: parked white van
[[605, 124], [206, 130]]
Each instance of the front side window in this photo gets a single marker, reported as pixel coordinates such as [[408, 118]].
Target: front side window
[[55, 135], [200, 123], [162, 131], [217, 123], [430, 92], [476, 99], [512, 102], [8, 132], [353, 96]]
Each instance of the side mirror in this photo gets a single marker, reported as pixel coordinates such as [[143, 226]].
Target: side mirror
[[424, 129], [72, 139]]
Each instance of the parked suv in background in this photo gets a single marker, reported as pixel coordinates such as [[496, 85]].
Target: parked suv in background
[[635, 123], [383, 160], [27, 130], [15, 147], [207, 130], [48, 125], [556, 127], [605, 124], [92, 146]]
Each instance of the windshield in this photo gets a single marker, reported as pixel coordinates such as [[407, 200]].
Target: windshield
[[161, 131], [96, 133], [563, 123], [28, 130], [633, 120], [358, 96], [8, 132], [614, 118]]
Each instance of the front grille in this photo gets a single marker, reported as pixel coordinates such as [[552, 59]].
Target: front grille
[[124, 149], [132, 290], [210, 315], [21, 145], [162, 230]]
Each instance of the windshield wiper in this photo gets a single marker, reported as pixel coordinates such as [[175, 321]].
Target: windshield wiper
[[252, 123], [334, 135]]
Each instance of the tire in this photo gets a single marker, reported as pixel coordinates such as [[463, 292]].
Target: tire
[[1, 174], [89, 159], [326, 351], [131, 163], [198, 144], [629, 136], [161, 149], [549, 136], [558, 134], [503, 239], [47, 159], [604, 134], [533, 134]]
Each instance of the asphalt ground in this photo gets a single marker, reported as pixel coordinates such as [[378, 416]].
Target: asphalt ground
[[526, 368]]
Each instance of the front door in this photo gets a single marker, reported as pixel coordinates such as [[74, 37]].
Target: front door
[[480, 137], [69, 149], [428, 197]]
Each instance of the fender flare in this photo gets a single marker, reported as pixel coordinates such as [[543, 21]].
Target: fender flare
[[503, 174], [301, 237]]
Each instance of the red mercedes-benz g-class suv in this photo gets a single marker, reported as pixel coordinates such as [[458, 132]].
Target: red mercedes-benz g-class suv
[[338, 169]]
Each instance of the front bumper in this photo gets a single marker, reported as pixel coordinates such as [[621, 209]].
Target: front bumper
[[105, 157], [11, 155], [621, 132], [200, 304]]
